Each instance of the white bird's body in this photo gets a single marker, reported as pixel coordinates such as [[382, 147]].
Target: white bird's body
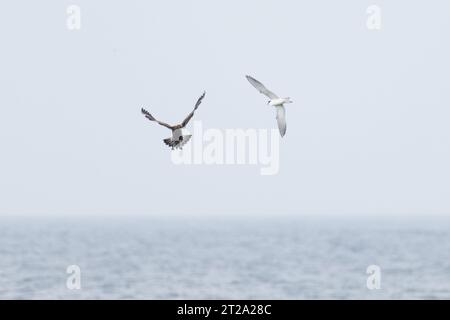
[[274, 101], [279, 102]]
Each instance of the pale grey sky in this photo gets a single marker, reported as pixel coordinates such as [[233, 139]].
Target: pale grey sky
[[368, 132]]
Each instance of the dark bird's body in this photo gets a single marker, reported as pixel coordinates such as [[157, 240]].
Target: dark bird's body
[[180, 136]]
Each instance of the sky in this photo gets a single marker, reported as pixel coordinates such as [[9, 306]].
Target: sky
[[367, 133]]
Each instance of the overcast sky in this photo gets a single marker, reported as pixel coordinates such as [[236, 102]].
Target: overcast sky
[[368, 132]]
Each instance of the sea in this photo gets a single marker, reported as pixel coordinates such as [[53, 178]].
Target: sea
[[224, 257]]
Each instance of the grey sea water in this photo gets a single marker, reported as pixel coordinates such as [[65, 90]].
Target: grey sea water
[[276, 257]]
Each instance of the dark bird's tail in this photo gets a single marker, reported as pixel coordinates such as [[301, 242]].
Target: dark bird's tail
[[171, 143]]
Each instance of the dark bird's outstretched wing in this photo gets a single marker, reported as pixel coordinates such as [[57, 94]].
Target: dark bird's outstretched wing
[[189, 117], [151, 118]]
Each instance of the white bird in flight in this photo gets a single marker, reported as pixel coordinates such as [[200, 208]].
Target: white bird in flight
[[274, 101], [180, 136]]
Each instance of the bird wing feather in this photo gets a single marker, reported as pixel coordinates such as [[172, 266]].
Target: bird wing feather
[[151, 118], [281, 120], [261, 88], [189, 117]]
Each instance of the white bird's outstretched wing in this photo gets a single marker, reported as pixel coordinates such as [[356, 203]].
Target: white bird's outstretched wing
[[190, 115], [281, 119], [261, 88]]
